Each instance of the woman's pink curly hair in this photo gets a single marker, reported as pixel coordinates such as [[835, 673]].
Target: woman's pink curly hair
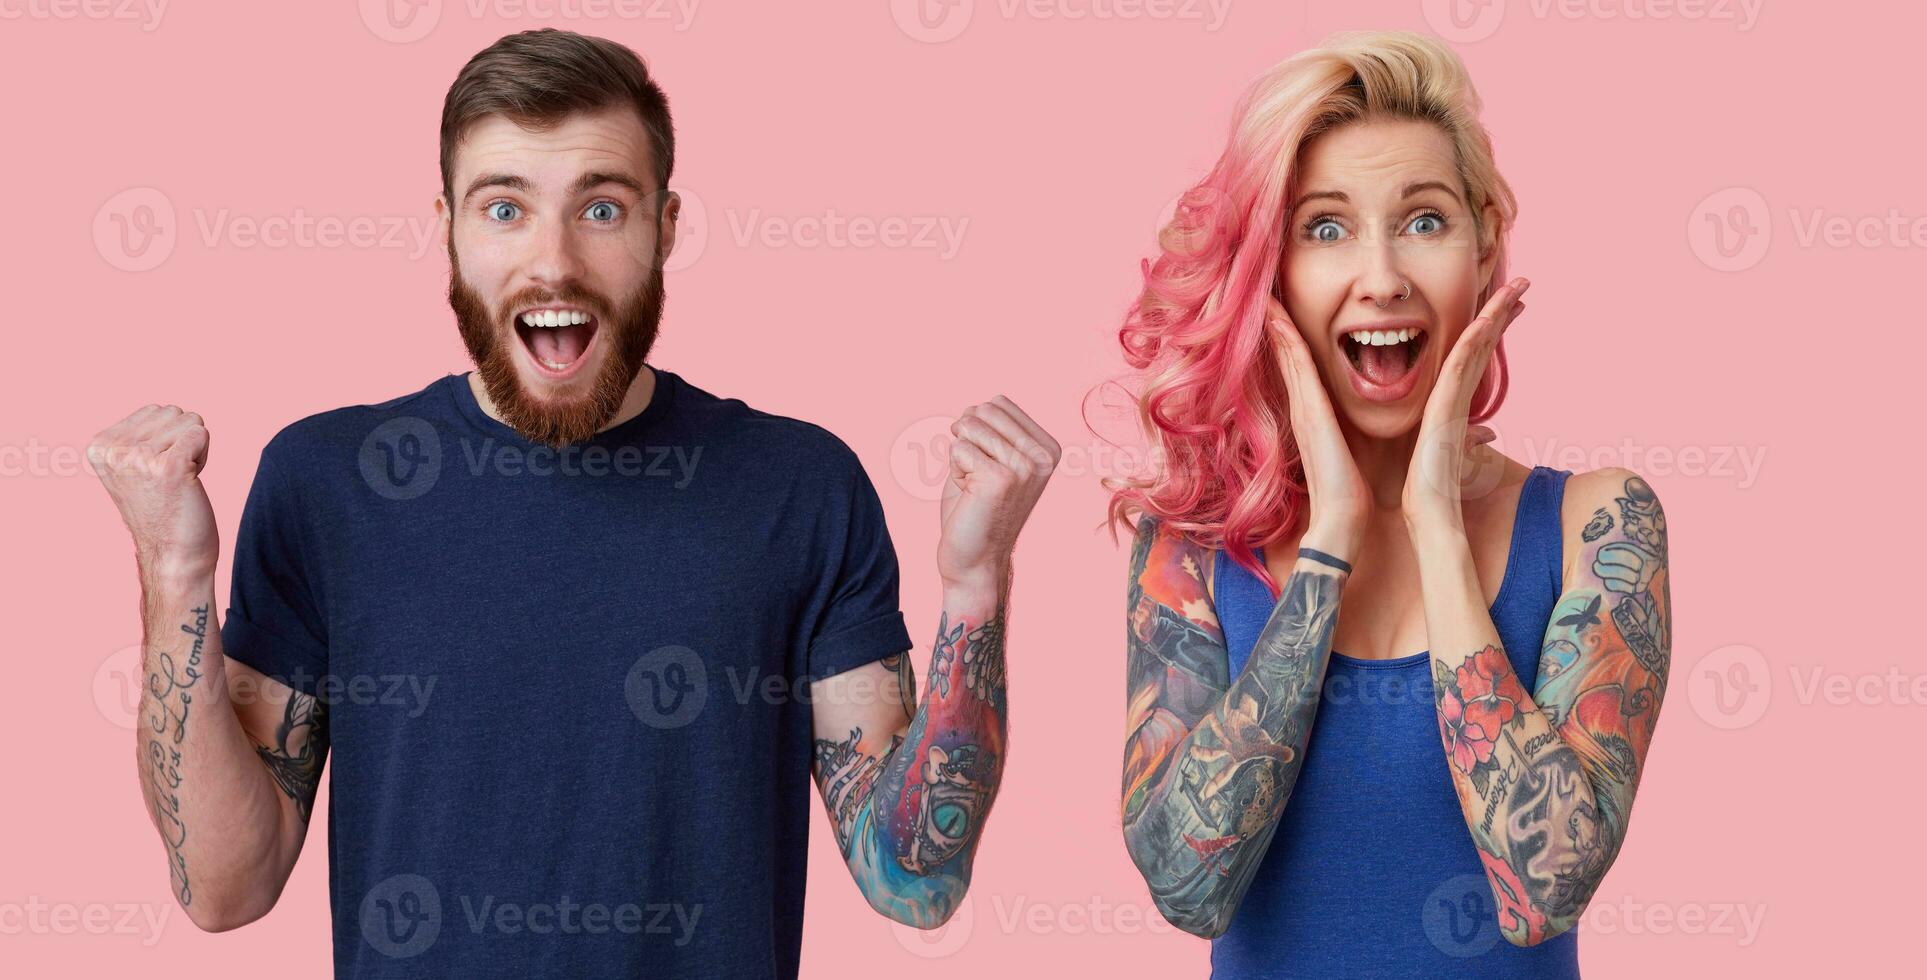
[[1211, 397]]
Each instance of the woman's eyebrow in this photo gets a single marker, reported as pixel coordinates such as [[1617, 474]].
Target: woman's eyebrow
[[1436, 185], [1411, 189]]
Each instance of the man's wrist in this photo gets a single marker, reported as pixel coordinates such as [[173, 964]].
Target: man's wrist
[[979, 590], [175, 574]]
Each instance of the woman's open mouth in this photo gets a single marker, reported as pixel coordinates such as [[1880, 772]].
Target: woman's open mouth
[[557, 338], [1384, 360]]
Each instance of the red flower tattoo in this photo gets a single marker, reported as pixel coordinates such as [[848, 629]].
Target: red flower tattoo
[[1483, 696]]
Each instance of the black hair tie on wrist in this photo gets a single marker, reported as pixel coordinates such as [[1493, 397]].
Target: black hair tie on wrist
[[1316, 555]]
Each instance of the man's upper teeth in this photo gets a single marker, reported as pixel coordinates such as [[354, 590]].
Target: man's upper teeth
[[554, 318], [1379, 338]]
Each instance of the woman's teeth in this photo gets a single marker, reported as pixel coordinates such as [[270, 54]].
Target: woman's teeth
[[1380, 338], [1384, 356]]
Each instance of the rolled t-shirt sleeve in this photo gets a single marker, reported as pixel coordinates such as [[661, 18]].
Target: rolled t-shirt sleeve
[[274, 624], [863, 621]]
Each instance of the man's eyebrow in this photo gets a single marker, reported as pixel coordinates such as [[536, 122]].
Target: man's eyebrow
[[597, 178], [511, 181], [516, 182], [1411, 189]]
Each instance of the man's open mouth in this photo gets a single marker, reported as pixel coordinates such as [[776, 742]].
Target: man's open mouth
[[556, 337]]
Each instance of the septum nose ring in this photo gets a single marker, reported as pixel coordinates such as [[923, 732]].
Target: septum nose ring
[[1404, 295]]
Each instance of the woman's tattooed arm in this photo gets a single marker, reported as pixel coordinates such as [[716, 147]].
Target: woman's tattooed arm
[[1546, 781], [1210, 761]]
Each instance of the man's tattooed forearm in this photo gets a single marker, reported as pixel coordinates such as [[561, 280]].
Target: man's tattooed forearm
[[845, 773], [298, 771], [909, 820], [168, 703]]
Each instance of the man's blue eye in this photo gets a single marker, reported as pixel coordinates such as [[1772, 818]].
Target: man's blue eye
[[496, 210], [603, 211]]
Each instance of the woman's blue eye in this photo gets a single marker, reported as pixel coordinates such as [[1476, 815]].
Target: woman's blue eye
[[604, 211], [1438, 223], [1318, 227], [495, 211]]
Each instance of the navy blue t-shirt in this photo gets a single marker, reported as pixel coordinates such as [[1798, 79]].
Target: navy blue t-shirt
[[567, 689]]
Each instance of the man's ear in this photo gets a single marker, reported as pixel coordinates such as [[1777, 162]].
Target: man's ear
[[444, 219], [666, 226]]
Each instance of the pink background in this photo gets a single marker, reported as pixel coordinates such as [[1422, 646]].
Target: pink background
[[1056, 143]]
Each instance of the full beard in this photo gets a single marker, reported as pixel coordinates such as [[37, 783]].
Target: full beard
[[629, 333]]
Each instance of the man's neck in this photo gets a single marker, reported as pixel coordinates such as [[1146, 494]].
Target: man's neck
[[641, 390]]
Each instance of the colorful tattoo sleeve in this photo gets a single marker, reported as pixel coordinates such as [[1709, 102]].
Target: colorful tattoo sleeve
[[1210, 761], [908, 816], [1546, 781]]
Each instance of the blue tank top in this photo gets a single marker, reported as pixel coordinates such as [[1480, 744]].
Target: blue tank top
[[1372, 872]]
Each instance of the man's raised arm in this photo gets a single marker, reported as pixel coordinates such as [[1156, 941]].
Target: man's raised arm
[[228, 760]]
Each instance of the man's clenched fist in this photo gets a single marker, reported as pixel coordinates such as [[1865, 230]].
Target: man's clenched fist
[[151, 464], [999, 464]]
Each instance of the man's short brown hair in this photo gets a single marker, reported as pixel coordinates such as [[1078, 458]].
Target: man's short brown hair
[[539, 77]]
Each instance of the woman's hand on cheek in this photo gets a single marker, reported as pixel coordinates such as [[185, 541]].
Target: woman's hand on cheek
[[1341, 507], [1434, 482]]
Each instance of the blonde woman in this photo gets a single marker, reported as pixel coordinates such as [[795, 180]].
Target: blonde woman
[[1320, 343]]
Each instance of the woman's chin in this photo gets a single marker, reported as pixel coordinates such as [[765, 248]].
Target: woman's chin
[[1382, 420]]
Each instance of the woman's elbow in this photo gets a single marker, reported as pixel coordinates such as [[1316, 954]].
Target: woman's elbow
[[1204, 920]]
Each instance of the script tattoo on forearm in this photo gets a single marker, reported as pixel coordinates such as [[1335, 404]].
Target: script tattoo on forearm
[[1547, 781], [167, 703], [298, 771], [1211, 763], [908, 820]]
